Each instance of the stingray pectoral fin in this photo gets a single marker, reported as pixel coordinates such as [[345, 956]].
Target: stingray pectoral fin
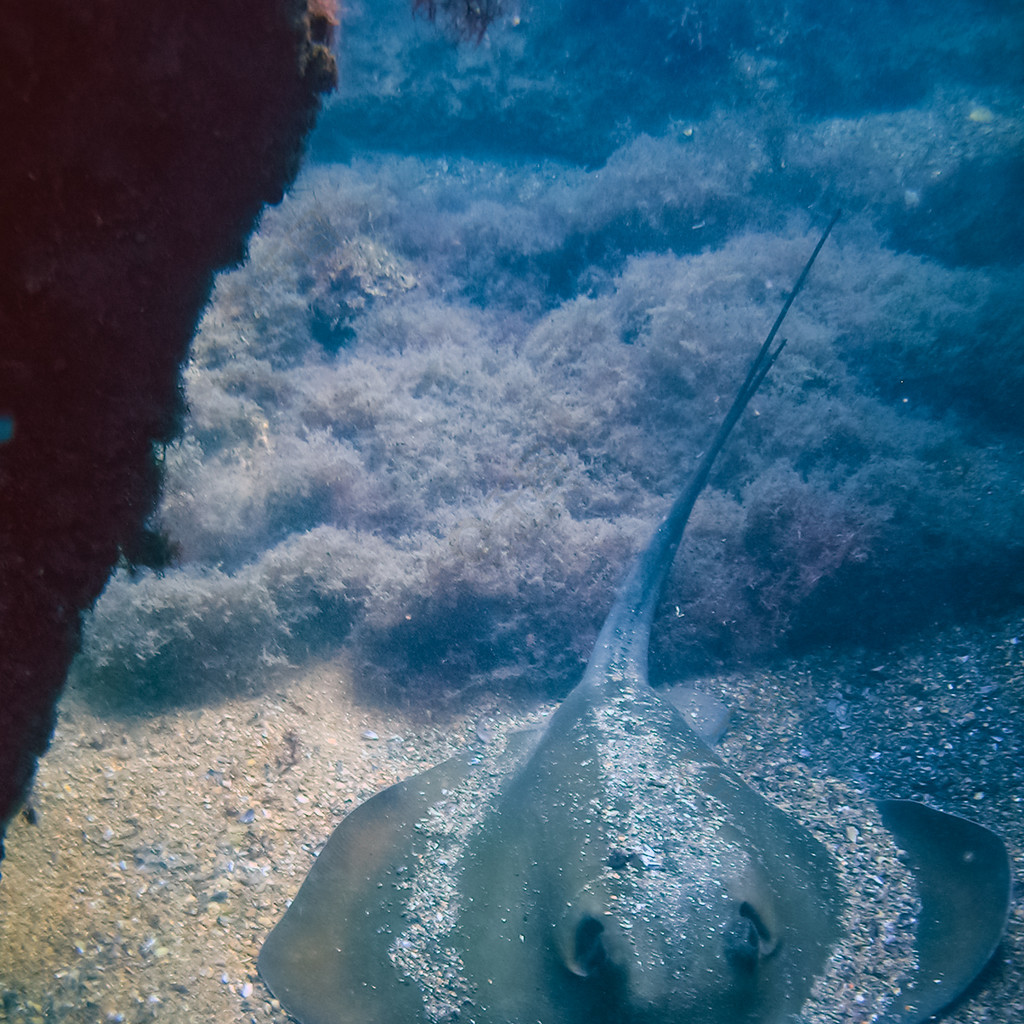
[[963, 876], [327, 960]]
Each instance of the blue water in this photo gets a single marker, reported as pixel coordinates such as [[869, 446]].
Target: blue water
[[484, 338]]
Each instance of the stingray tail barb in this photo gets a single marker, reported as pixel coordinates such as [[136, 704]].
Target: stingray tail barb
[[641, 590]]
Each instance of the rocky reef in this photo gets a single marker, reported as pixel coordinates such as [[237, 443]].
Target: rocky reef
[[141, 143]]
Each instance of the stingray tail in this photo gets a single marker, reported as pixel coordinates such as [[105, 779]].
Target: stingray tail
[[641, 590]]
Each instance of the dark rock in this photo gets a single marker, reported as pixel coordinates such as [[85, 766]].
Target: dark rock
[[140, 144]]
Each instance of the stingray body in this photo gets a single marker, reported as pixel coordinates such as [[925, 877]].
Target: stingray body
[[610, 869]]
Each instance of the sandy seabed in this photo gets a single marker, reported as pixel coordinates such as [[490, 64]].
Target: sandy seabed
[[161, 848]]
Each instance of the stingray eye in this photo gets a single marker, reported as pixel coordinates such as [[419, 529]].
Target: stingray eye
[[747, 938], [589, 954]]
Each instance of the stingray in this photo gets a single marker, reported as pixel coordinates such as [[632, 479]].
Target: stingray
[[611, 869]]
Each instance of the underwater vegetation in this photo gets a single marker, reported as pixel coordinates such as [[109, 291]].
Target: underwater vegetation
[[447, 393], [463, 19], [574, 79]]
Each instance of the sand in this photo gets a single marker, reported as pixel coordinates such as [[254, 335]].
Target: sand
[[160, 848]]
